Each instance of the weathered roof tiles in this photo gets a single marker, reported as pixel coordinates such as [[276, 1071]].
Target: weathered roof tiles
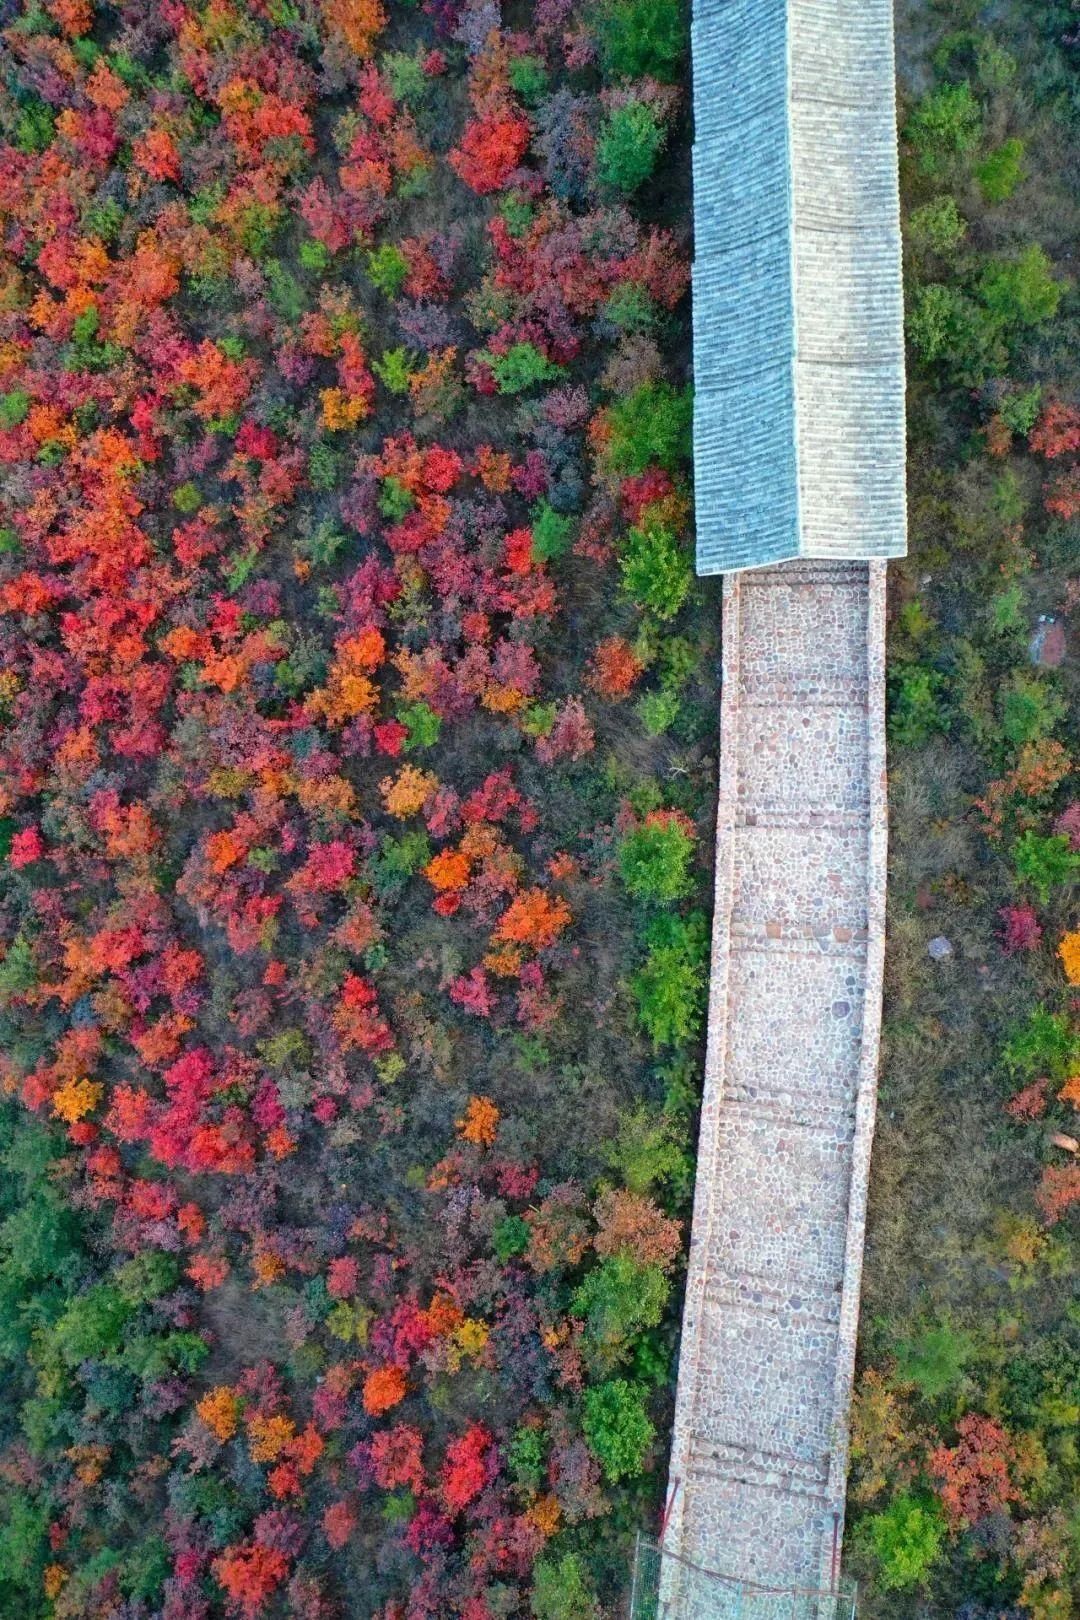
[[799, 435]]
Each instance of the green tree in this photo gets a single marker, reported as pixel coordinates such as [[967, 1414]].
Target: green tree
[[905, 1541], [561, 1590], [551, 532], [387, 268], [521, 367], [394, 370], [525, 1457], [617, 1427], [1045, 1044], [619, 1299], [1021, 292], [1030, 708], [937, 227], [1043, 862], [408, 81], [92, 1325], [934, 1359], [670, 986], [528, 78], [947, 328], [915, 711], [655, 861], [647, 1151], [147, 1276], [23, 1550], [651, 425], [1001, 171], [946, 125], [630, 141], [656, 568], [641, 38]]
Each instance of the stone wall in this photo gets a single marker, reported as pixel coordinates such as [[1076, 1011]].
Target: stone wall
[[759, 1455]]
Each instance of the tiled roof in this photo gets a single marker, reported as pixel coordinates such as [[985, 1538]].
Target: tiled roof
[[799, 440]]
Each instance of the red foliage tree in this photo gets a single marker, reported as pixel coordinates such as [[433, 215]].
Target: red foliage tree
[[973, 1477], [491, 149]]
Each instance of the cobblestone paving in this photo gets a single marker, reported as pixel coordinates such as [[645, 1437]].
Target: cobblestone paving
[[759, 1458]]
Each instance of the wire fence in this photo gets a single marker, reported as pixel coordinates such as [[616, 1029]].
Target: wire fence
[[666, 1587]]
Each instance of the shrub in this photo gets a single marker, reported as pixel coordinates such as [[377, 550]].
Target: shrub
[[934, 1360], [670, 986], [617, 1427], [1001, 172], [619, 1300], [641, 38], [387, 268], [914, 705], [905, 1541], [937, 227], [561, 1591], [1044, 861], [656, 569], [652, 425], [945, 126], [521, 367], [1021, 292], [655, 860], [628, 145]]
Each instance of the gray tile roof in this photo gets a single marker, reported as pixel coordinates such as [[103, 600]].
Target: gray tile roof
[[799, 435]]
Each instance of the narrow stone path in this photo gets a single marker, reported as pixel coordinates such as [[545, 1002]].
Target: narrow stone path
[[759, 1458]]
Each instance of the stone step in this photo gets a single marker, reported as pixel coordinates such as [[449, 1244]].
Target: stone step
[[760, 1294], [826, 692], [796, 941], [775, 1470], [820, 1052], [768, 814], [805, 571], [779, 1211], [786, 1106]]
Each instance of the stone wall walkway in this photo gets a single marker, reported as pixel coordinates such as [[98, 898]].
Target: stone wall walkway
[[759, 1458]]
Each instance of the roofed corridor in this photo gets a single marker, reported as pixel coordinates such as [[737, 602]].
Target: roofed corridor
[[799, 474], [759, 1460]]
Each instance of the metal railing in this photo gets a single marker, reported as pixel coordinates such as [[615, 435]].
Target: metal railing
[[667, 1587]]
